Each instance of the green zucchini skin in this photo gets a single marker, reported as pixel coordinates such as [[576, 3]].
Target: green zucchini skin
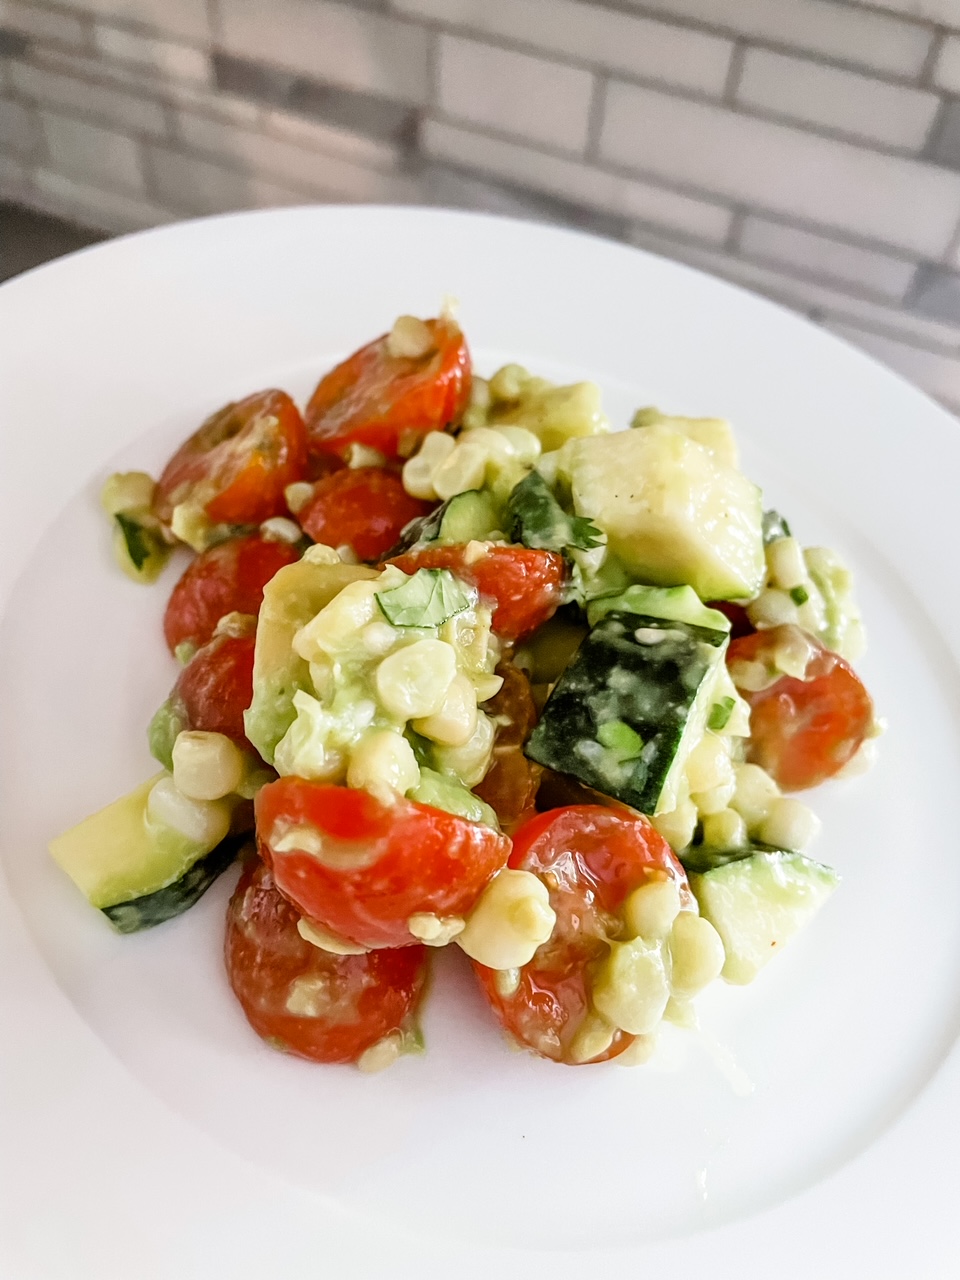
[[650, 685], [173, 899]]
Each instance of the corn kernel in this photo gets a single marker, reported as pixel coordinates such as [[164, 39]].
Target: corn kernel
[[512, 918]]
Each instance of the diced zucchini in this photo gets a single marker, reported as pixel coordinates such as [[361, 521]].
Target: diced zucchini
[[139, 551], [655, 677], [291, 598], [137, 874], [774, 526], [672, 512], [758, 903], [715, 434], [678, 604], [469, 517]]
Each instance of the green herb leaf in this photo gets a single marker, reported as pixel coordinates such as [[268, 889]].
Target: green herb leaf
[[535, 518], [720, 714], [427, 599], [799, 595], [774, 526], [137, 540]]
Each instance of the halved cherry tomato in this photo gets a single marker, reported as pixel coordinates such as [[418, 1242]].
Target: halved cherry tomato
[[740, 624], [216, 686], [361, 868], [228, 578], [306, 1001], [590, 858], [525, 585], [802, 731], [235, 467], [374, 398], [510, 784], [366, 508]]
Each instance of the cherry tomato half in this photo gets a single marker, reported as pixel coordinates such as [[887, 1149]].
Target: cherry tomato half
[[236, 466], [802, 731], [525, 585], [216, 687], [510, 784], [361, 868], [366, 508], [306, 1001], [590, 858], [374, 398], [740, 624], [228, 578]]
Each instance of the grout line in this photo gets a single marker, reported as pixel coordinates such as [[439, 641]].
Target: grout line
[[734, 72], [595, 115], [925, 78], [732, 241]]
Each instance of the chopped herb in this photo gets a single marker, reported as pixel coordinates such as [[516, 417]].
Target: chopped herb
[[536, 518], [427, 599], [138, 541], [720, 714], [774, 526], [799, 595], [618, 737]]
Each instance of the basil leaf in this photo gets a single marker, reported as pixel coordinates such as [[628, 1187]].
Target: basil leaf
[[136, 538], [720, 714], [536, 518], [427, 599]]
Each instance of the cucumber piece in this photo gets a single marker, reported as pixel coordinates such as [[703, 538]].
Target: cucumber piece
[[291, 598], [672, 511], [715, 434], [118, 860], [168, 721], [758, 903], [679, 604], [151, 909], [469, 517], [140, 552], [427, 599], [653, 676]]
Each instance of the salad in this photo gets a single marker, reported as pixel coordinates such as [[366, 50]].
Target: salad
[[461, 666]]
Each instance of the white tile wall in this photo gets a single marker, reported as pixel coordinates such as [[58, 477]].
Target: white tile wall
[[13, 177], [583, 184], [911, 206], [193, 185], [93, 207], [88, 98], [937, 373], [892, 114], [350, 47], [47, 24], [186, 18], [331, 140], [179, 61], [808, 296], [946, 71], [861, 37], [834, 260], [17, 127], [90, 153], [515, 93], [303, 169], [946, 12], [638, 46]]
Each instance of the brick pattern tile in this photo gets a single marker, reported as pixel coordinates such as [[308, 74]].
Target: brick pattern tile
[[164, 57], [90, 153]]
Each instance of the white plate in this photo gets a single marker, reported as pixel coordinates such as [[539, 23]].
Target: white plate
[[146, 1132]]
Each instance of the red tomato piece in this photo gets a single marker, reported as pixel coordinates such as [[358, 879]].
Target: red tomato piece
[[361, 868], [374, 398], [228, 578], [216, 687], [590, 858], [236, 466], [511, 782], [526, 586], [366, 508], [802, 731], [306, 1001], [740, 624]]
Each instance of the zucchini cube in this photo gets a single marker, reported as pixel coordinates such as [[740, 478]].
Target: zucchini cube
[[630, 707]]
